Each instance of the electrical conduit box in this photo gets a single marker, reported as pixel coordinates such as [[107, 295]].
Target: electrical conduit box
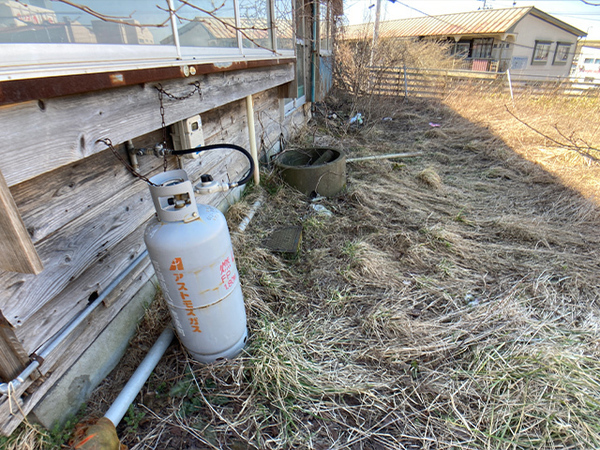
[[188, 134]]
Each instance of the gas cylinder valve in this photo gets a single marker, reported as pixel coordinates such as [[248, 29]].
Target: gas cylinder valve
[[158, 150], [179, 200]]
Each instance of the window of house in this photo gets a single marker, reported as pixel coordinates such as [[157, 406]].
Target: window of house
[[58, 36], [597, 61], [482, 48], [541, 51], [284, 25], [462, 49], [302, 42], [325, 28], [561, 54], [588, 61], [254, 16]]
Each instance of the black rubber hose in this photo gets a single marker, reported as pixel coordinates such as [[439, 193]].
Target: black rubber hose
[[206, 148]]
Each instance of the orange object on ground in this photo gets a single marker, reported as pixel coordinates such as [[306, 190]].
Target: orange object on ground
[[101, 435]]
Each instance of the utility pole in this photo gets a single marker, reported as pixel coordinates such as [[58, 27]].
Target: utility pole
[[375, 31]]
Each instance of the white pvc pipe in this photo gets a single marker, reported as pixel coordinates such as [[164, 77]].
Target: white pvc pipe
[[119, 407], [244, 223], [252, 136], [391, 155]]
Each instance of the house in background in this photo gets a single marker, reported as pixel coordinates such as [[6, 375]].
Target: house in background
[[73, 217], [524, 39], [586, 65]]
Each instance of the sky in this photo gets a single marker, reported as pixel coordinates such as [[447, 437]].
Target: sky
[[577, 13]]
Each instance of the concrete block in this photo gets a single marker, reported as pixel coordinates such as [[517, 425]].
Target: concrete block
[[74, 388]]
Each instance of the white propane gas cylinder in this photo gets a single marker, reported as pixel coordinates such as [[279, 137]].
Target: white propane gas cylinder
[[190, 249]]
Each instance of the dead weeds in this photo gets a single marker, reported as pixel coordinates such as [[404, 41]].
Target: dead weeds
[[459, 317], [572, 122]]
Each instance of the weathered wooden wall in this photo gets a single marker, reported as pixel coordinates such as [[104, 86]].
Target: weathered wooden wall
[[53, 136], [86, 214]]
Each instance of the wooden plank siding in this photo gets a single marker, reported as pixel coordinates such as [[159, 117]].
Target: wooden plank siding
[[91, 239], [86, 214], [31, 392], [20, 302], [65, 129]]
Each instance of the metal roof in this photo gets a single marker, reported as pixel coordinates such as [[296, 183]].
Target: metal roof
[[487, 21], [225, 28]]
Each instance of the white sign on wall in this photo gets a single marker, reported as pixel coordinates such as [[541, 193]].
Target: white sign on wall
[[518, 62]]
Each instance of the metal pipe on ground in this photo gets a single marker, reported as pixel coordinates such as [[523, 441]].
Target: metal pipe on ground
[[119, 407], [49, 346], [103, 433], [391, 155]]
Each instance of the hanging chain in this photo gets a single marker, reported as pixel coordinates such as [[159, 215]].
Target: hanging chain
[[164, 126], [161, 93], [134, 172], [196, 85]]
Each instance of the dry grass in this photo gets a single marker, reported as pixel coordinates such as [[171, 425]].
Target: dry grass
[[29, 438], [462, 317], [459, 317], [574, 122], [430, 178]]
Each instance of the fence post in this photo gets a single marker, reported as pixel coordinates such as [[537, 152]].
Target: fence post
[[405, 83], [510, 86]]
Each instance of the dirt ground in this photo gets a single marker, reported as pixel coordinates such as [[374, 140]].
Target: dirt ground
[[448, 300]]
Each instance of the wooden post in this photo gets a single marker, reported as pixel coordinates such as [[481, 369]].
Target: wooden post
[[13, 357], [375, 31], [405, 83], [17, 253]]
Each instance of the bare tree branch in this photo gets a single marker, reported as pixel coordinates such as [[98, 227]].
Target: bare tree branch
[[242, 30], [183, 4], [113, 19], [590, 3], [572, 142]]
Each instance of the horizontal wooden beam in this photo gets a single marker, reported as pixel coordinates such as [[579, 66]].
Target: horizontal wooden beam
[[17, 91], [67, 129]]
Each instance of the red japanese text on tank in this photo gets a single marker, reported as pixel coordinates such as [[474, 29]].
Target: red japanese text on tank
[[228, 276], [176, 266]]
